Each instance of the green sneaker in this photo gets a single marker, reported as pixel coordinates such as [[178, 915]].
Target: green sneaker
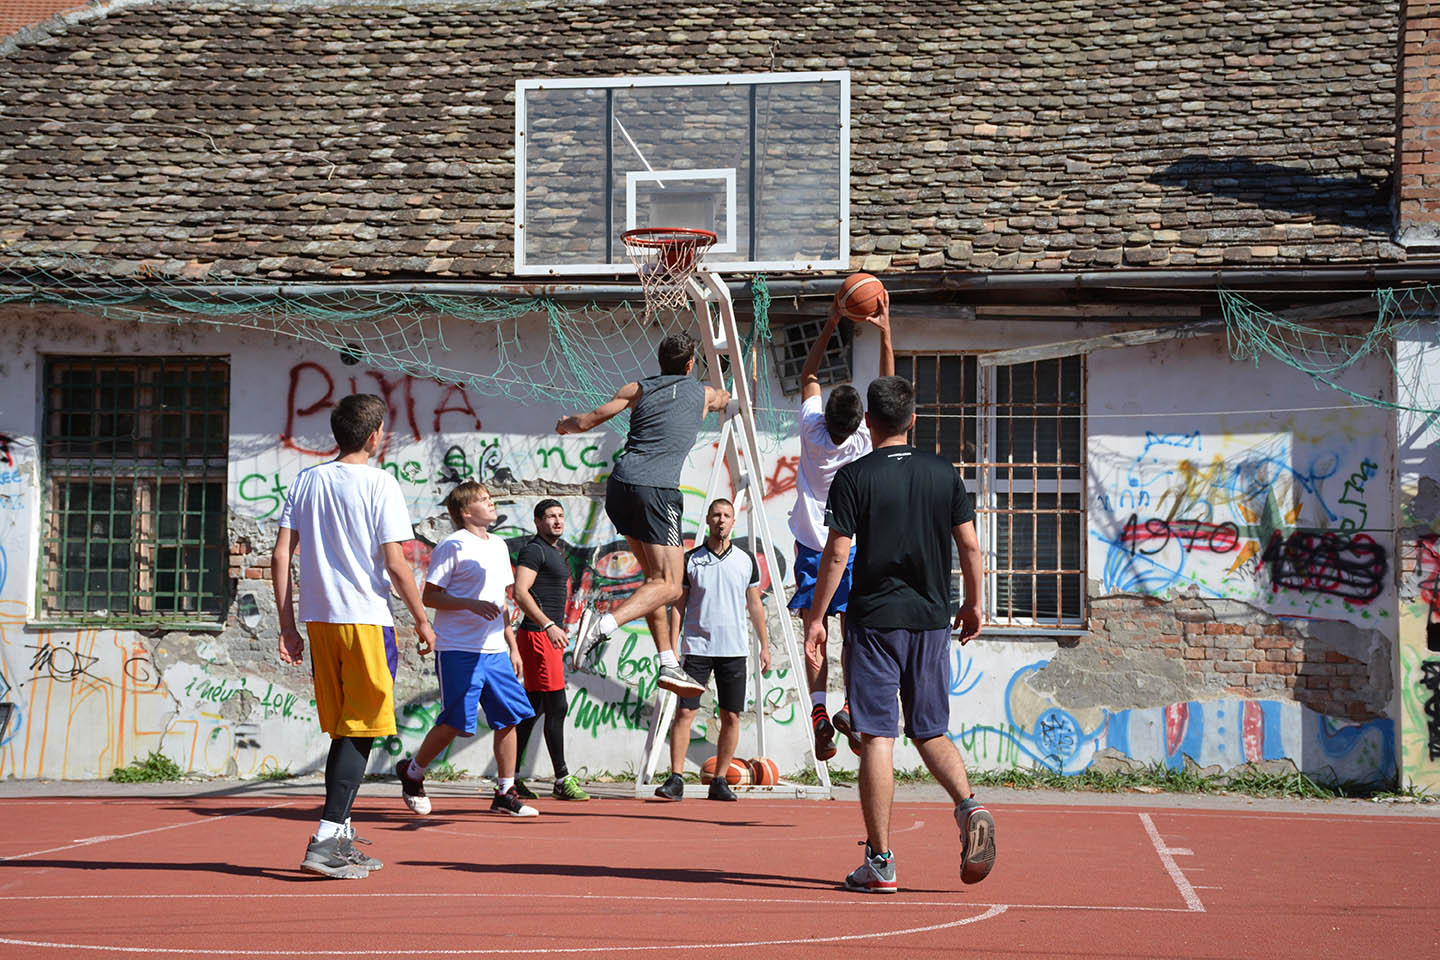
[[569, 789], [524, 791]]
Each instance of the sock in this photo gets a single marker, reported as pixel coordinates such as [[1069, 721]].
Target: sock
[[505, 783], [328, 829], [667, 659], [817, 700], [607, 625], [417, 771]]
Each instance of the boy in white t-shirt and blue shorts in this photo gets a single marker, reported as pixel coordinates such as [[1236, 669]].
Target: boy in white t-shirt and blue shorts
[[831, 435], [477, 661]]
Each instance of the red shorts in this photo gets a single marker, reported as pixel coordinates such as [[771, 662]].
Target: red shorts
[[544, 664]]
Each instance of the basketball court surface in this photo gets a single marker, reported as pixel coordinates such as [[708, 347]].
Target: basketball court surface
[[214, 874]]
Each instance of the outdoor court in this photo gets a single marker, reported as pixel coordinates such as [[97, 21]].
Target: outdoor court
[[216, 875]]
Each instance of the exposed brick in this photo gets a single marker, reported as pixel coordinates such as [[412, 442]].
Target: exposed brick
[[1226, 666]]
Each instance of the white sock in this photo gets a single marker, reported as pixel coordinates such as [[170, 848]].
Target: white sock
[[817, 699], [506, 783], [328, 829], [607, 625], [349, 830], [667, 659], [417, 771]]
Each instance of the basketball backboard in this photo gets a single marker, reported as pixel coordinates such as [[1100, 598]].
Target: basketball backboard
[[761, 159]]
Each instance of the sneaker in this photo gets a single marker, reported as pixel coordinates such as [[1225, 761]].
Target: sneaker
[[841, 723], [590, 637], [673, 789], [678, 682], [568, 788], [510, 803], [977, 840], [358, 857], [331, 857], [824, 733], [523, 791], [875, 875], [412, 791], [720, 790]]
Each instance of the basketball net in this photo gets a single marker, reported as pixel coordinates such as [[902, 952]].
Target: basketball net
[[665, 259]]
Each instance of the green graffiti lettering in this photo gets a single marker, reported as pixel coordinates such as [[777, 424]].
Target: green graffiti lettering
[[547, 452]]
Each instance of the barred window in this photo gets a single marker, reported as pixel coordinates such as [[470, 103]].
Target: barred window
[[1017, 434], [134, 459]]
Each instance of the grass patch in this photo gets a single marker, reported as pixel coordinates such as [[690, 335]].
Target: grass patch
[[445, 772], [153, 769], [274, 773], [808, 777]]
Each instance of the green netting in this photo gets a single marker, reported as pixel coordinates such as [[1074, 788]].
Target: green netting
[[1324, 353], [531, 349]]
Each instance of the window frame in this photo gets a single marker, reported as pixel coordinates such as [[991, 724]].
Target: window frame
[[164, 450], [983, 477]]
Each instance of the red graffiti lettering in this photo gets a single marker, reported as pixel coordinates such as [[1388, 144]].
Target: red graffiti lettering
[[782, 480], [293, 410], [464, 400]]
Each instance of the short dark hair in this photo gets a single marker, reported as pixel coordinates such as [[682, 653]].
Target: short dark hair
[[891, 403], [843, 412], [716, 502], [544, 505], [676, 351], [461, 497], [354, 419]]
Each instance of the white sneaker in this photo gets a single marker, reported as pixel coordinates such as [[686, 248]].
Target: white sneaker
[[589, 636], [412, 790], [678, 682]]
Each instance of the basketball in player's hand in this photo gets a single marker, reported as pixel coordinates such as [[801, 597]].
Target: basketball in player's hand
[[860, 296]]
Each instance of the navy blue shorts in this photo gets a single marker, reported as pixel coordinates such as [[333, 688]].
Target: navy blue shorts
[[729, 680], [807, 569], [915, 664], [470, 681]]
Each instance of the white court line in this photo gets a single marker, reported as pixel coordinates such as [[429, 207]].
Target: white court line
[[1366, 818], [847, 903], [1167, 857], [994, 911], [90, 841]]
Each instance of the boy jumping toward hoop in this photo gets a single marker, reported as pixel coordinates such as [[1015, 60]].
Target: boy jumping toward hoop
[[346, 521], [643, 499], [830, 437], [476, 659]]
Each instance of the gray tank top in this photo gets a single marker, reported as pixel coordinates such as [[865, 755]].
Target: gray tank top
[[663, 425]]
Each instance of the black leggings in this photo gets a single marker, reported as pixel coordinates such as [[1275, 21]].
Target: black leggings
[[553, 704], [344, 769]]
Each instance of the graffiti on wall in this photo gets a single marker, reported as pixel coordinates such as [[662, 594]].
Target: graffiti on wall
[[1224, 515]]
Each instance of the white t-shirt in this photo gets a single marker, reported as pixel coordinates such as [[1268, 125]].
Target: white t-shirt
[[464, 565], [717, 611], [820, 460], [343, 514]]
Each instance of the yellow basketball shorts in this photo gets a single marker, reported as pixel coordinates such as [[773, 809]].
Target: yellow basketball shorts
[[354, 670]]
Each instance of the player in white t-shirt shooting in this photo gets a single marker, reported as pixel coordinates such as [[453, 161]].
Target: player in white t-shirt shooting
[[830, 437], [477, 660]]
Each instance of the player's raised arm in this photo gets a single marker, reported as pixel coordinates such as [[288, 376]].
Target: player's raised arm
[[810, 373], [880, 320], [624, 398]]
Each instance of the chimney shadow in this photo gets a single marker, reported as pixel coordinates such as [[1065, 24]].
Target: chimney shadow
[[1359, 200]]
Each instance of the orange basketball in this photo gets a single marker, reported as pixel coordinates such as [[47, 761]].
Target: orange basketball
[[859, 296], [739, 772], [764, 772]]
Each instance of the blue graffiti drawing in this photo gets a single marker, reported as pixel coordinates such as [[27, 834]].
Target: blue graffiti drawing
[[2, 567], [960, 671], [1054, 739]]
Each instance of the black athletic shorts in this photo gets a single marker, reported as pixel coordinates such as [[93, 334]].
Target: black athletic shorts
[[649, 514], [729, 680]]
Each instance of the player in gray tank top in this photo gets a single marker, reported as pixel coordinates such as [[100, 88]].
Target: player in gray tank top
[[643, 497]]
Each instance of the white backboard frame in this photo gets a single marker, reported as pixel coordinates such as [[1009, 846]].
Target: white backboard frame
[[715, 261]]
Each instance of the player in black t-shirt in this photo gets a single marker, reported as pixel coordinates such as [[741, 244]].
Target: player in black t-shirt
[[542, 587], [903, 507]]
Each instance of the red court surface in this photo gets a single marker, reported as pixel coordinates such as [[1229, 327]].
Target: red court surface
[[208, 876]]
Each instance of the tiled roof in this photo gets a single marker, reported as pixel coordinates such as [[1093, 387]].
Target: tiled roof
[[372, 139], [15, 14]]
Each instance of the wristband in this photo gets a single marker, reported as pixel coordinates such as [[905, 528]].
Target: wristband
[[547, 626]]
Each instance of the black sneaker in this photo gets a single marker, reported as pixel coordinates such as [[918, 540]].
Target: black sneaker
[[524, 792], [510, 803], [824, 733], [333, 857], [842, 726], [672, 789], [412, 791], [720, 790]]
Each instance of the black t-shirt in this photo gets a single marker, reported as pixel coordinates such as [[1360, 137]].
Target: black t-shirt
[[899, 504], [552, 579]]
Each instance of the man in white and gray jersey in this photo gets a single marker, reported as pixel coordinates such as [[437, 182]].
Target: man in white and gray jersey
[[642, 497]]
